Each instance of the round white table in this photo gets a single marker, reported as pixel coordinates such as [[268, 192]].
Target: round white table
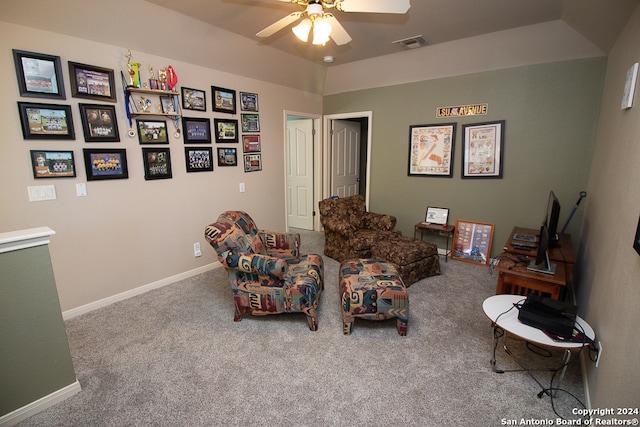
[[503, 312]]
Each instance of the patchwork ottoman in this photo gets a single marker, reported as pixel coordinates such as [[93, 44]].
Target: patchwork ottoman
[[372, 289], [414, 259]]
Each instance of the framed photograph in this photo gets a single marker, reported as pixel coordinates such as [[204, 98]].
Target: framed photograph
[[105, 163], [46, 121], [629, 87], [483, 150], [99, 123], [224, 100], [248, 101], [431, 149], [39, 75], [227, 157], [152, 131], [250, 123], [472, 242], [226, 130], [88, 81], [252, 162], [196, 130], [438, 216], [157, 163], [250, 143], [194, 99], [168, 104], [53, 164], [198, 159]]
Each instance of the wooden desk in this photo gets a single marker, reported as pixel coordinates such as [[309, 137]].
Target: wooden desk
[[424, 226], [514, 278]]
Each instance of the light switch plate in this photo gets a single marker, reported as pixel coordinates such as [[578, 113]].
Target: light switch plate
[[39, 193]]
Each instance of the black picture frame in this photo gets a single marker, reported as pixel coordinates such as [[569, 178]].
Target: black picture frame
[[196, 130], [223, 100], [252, 162], [46, 121], [251, 143], [152, 131], [483, 149], [105, 163], [39, 74], [250, 122], [248, 101], [53, 164], [431, 150], [198, 159], [157, 163], [99, 123], [193, 99], [227, 156], [226, 130], [92, 82]]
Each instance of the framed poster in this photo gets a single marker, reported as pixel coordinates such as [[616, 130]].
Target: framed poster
[[152, 132], [431, 149], [99, 123], [252, 162], [39, 75], [226, 130], [224, 100], [248, 101], [472, 242], [46, 121], [483, 150], [227, 157], [250, 143], [157, 163], [53, 164], [105, 163], [438, 216], [196, 130], [89, 81], [198, 159], [250, 122], [194, 99]]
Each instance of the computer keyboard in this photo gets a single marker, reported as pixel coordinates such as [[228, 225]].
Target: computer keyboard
[[523, 245]]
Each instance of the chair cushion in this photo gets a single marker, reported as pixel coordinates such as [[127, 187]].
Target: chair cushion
[[403, 251]]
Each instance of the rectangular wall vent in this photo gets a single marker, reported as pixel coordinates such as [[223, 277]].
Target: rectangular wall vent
[[412, 42]]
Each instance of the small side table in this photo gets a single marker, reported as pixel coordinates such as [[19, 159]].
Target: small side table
[[425, 226]]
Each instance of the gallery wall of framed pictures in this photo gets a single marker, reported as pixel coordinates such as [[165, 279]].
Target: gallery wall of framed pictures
[[231, 120]]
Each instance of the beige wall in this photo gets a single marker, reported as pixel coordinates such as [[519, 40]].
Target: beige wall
[[609, 268], [131, 233]]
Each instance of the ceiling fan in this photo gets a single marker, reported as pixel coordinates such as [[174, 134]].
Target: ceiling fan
[[324, 24]]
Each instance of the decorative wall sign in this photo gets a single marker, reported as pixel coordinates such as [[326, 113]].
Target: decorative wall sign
[[431, 149], [462, 110], [629, 87]]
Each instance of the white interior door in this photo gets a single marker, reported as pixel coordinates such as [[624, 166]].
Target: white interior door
[[345, 158], [300, 173]]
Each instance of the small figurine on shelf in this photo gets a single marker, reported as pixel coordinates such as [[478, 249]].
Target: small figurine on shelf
[[172, 78], [162, 77], [144, 104]]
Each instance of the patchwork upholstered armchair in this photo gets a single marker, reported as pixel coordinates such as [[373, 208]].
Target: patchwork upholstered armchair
[[350, 231], [267, 273]]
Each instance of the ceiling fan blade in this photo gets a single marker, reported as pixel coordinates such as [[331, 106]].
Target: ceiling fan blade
[[280, 24], [375, 6], [338, 33]]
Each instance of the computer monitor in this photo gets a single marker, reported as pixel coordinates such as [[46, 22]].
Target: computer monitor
[[552, 216]]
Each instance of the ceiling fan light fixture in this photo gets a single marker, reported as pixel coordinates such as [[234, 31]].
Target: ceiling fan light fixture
[[302, 29], [321, 31]]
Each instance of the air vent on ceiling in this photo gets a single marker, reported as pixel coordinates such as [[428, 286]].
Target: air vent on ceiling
[[412, 42]]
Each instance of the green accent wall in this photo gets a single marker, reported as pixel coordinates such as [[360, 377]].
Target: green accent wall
[[34, 352], [551, 113]]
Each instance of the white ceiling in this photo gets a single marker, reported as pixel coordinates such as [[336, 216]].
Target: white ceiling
[[437, 21]]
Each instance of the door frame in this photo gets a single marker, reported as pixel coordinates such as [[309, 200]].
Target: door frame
[[317, 163], [326, 149]]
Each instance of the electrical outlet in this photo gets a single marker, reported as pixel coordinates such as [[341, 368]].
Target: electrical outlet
[[196, 249], [599, 353]]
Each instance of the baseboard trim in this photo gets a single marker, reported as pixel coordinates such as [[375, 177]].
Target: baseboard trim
[[584, 359], [83, 309], [13, 418]]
